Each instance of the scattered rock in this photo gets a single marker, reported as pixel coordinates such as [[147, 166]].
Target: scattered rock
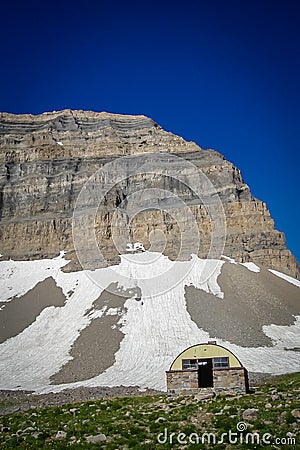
[[60, 435], [289, 434], [296, 413], [251, 414], [230, 399], [204, 396], [96, 438], [36, 435], [24, 400], [268, 406], [160, 420], [166, 407]]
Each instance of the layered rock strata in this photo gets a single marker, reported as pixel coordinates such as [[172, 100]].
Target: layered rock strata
[[46, 159]]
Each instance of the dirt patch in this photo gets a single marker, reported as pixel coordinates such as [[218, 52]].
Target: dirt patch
[[94, 350], [251, 300], [20, 312]]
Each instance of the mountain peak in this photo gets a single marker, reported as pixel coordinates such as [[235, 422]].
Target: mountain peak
[[46, 159]]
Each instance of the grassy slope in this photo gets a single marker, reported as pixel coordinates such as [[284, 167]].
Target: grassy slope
[[134, 422]]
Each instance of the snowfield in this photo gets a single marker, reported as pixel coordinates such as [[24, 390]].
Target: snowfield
[[285, 277], [156, 328]]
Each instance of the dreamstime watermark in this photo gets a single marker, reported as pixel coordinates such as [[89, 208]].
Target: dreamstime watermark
[[238, 436], [128, 186]]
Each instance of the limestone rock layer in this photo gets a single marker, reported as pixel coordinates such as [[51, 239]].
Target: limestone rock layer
[[46, 159]]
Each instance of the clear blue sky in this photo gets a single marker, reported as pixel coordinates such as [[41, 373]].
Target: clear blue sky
[[223, 73]]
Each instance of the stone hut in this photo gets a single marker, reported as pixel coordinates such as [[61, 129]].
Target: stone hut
[[207, 367]]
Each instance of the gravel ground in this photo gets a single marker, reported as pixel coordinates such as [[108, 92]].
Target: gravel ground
[[251, 301], [17, 401]]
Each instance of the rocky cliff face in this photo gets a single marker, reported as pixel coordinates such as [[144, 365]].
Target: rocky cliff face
[[45, 160]]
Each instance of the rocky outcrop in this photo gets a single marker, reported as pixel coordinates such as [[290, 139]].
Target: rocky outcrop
[[45, 160]]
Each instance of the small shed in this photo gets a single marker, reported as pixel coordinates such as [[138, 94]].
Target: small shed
[[207, 367]]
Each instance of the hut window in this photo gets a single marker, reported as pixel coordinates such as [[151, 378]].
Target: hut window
[[221, 362], [189, 364]]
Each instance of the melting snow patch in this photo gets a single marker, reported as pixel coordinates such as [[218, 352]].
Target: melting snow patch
[[251, 266], [158, 327], [112, 312], [134, 247], [284, 336], [18, 277], [286, 277], [229, 259]]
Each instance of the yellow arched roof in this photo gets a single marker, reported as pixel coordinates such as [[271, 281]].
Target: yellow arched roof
[[200, 351]]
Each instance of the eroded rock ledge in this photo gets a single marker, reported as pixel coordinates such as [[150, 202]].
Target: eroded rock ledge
[[46, 159]]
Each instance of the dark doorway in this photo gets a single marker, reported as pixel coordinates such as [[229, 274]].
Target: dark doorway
[[205, 373]]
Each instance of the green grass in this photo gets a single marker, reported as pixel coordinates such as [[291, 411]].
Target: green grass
[[135, 422]]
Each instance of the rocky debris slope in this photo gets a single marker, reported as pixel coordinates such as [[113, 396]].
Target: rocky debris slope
[[267, 415], [46, 159], [16, 401]]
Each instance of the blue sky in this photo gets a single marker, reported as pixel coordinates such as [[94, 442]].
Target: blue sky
[[224, 74]]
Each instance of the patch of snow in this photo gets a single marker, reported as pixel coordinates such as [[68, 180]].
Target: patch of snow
[[156, 273], [19, 277], [112, 312], [27, 358], [284, 336], [286, 277], [158, 327], [134, 247], [265, 359], [59, 143], [233, 261], [251, 266], [96, 313]]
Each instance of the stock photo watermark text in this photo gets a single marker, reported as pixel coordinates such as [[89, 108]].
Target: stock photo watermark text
[[238, 436]]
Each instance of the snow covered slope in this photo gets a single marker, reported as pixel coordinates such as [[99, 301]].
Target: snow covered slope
[[155, 327]]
